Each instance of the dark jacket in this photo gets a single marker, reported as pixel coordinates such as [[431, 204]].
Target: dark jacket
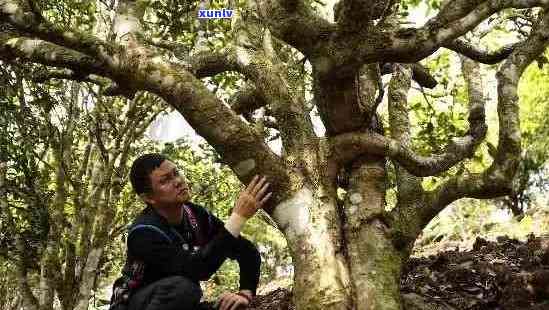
[[195, 255]]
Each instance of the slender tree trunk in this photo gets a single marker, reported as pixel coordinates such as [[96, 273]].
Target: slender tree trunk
[[373, 261], [89, 273]]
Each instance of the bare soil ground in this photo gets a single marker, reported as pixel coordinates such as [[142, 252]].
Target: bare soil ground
[[504, 275]]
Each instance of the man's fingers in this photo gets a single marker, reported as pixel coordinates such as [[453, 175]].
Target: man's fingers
[[264, 200], [220, 304], [252, 184], [229, 301], [258, 186], [219, 300], [224, 302], [239, 303], [262, 191]]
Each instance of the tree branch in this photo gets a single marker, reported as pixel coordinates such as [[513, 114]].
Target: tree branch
[[98, 133], [247, 100], [347, 146], [115, 89], [266, 72], [357, 14], [411, 196], [202, 64], [29, 22], [48, 54], [465, 48], [497, 179], [206, 64], [409, 189], [410, 44], [399, 124], [41, 76], [453, 21], [295, 23], [29, 299], [420, 74], [369, 81], [179, 50]]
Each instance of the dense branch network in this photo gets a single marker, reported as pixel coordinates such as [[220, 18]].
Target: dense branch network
[[333, 52], [497, 179], [348, 146], [132, 67], [453, 21], [324, 45]]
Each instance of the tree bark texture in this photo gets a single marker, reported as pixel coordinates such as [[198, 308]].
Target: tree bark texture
[[329, 192]]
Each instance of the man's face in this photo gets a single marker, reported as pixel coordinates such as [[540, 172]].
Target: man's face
[[169, 188]]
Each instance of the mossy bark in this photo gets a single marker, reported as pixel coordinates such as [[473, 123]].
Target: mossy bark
[[339, 264]]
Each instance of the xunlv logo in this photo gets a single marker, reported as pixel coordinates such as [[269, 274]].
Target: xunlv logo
[[223, 13]]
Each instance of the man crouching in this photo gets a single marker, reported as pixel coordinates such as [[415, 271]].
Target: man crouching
[[173, 244]]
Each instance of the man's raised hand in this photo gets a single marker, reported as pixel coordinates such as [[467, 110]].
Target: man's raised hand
[[253, 197]]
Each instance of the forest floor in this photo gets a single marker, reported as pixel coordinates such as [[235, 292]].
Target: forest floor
[[506, 274]]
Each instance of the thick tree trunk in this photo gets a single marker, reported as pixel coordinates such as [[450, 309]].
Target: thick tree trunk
[[310, 225], [329, 274]]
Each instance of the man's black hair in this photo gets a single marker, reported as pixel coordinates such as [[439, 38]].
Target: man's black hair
[[141, 170]]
